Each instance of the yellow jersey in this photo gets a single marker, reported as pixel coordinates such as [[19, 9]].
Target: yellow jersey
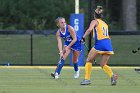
[[102, 40], [101, 31]]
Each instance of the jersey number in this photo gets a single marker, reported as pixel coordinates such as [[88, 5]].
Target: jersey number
[[105, 31], [69, 39]]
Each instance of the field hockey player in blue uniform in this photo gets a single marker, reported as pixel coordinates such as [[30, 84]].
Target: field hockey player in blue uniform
[[71, 44]]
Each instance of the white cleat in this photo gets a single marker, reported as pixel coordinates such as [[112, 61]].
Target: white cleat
[[55, 75], [85, 82], [114, 79], [76, 75]]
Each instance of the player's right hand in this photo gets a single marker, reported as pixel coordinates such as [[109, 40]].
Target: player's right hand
[[82, 40]]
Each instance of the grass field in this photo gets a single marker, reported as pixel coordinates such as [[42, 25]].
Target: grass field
[[36, 79]]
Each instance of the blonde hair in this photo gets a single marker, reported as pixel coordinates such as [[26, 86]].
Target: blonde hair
[[99, 12], [57, 20]]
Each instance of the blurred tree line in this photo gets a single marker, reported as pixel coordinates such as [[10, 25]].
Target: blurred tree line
[[40, 14], [33, 14]]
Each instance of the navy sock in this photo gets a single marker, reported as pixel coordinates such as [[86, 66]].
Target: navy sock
[[59, 66], [75, 66]]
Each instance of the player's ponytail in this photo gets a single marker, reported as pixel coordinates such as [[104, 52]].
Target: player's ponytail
[[99, 12]]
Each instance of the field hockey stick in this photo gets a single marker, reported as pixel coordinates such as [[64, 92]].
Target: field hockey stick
[[86, 47], [135, 51]]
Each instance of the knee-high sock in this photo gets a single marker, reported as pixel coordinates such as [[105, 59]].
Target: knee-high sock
[[75, 66], [108, 70], [59, 66], [88, 69]]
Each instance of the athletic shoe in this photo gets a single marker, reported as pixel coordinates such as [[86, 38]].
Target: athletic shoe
[[76, 75], [85, 82], [114, 79], [55, 75]]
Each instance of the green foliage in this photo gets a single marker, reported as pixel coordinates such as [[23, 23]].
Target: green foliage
[[40, 14], [33, 14]]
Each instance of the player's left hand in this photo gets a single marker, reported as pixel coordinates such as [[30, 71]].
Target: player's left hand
[[61, 54]]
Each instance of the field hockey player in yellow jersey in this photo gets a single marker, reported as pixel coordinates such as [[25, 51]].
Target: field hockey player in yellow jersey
[[102, 47]]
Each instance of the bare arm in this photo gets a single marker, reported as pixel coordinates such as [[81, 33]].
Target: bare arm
[[59, 42], [91, 27], [73, 35]]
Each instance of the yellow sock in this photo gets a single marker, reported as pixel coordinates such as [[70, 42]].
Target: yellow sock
[[88, 69], [108, 70]]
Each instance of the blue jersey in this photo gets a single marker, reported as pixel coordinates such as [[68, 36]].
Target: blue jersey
[[68, 39]]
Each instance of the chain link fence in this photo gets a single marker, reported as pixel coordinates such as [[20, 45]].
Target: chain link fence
[[40, 48]]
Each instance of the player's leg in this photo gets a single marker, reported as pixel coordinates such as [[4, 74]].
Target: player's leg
[[104, 65], [60, 64], [107, 69], [75, 55], [88, 66]]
